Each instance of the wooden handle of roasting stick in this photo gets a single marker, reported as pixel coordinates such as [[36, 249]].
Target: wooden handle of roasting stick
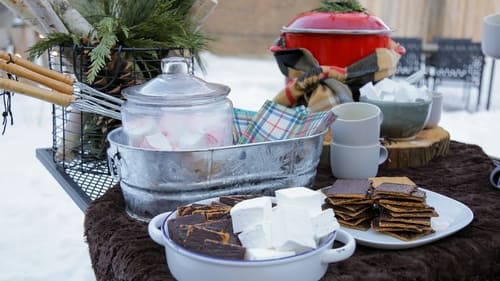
[[35, 77], [39, 93], [37, 68]]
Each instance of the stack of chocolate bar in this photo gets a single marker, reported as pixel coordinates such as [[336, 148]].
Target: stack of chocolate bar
[[403, 211], [351, 201], [207, 228]]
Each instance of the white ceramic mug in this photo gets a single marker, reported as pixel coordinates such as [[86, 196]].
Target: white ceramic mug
[[357, 123], [356, 162], [490, 41], [435, 111]]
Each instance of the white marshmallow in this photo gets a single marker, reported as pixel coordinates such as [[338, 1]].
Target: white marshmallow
[[387, 85], [301, 197], [249, 213], [157, 141], [258, 236], [324, 223], [369, 91], [264, 254], [292, 229]]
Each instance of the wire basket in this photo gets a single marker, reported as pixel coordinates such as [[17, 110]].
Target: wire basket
[[79, 138]]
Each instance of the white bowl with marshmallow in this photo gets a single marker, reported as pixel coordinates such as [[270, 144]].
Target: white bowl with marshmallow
[[286, 237]]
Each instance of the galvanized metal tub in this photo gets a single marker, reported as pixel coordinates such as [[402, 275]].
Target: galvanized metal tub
[[154, 181]]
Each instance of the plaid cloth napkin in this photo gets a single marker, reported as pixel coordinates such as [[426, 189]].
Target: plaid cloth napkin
[[322, 87], [277, 122]]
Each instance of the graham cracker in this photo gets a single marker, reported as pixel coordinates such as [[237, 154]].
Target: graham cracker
[[426, 221], [376, 181], [407, 235], [352, 201], [394, 202], [363, 226]]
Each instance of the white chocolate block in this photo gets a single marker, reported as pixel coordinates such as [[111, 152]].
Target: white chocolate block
[[249, 213], [292, 229], [258, 236], [264, 254], [301, 197], [324, 223]]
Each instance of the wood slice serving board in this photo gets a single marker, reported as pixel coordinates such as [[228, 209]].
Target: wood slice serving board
[[427, 145]]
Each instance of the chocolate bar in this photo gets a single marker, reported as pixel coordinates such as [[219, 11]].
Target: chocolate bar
[[344, 188], [219, 249], [392, 189], [196, 235], [232, 200], [177, 227]]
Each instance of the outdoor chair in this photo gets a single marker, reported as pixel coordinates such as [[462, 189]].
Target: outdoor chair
[[411, 61], [457, 61]]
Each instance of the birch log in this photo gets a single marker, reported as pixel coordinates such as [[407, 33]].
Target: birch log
[[45, 14], [20, 9], [200, 11], [75, 22]]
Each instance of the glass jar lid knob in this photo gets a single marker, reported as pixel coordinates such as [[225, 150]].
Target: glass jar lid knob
[[174, 65]]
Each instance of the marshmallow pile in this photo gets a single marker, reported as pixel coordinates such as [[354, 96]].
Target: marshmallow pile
[[396, 91], [294, 225], [179, 132]]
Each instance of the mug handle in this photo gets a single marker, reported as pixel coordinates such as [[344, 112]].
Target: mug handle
[[495, 177], [384, 154]]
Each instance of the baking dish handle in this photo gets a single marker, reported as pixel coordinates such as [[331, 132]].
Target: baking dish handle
[[342, 253], [154, 228]]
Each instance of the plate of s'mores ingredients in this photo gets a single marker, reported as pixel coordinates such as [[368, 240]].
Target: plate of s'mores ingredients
[[394, 212]]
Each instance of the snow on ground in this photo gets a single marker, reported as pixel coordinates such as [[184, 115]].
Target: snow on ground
[[41, 234]]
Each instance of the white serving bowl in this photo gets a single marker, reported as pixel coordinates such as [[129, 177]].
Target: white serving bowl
[[186, 265]]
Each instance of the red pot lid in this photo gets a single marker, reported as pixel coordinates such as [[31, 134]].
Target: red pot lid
[[329, 22]]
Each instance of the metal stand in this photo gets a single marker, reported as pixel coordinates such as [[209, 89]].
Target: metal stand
[[80, 185], [492, 75]]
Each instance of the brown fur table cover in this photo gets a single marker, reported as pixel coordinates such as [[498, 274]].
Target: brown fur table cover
[[120, 247]]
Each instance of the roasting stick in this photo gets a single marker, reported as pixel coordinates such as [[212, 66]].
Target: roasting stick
[[36, 92], [36, 77], [82, 96], [37, 68]]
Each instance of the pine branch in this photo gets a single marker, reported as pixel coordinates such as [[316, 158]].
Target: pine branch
[[338, 6], [106, 35], [53, 39]]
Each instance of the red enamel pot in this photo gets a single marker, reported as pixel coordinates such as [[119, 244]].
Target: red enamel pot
[[335, 39]]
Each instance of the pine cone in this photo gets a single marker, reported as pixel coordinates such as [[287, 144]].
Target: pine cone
[[119, 73]]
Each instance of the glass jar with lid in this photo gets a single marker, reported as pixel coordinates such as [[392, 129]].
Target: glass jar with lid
[[177, 111]]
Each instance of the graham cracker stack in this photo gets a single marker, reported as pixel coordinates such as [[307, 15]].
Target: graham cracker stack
[[351, 202], [395, 206], [403, 211]]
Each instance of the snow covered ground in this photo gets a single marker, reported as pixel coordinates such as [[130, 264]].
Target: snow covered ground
[[41, 235]]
